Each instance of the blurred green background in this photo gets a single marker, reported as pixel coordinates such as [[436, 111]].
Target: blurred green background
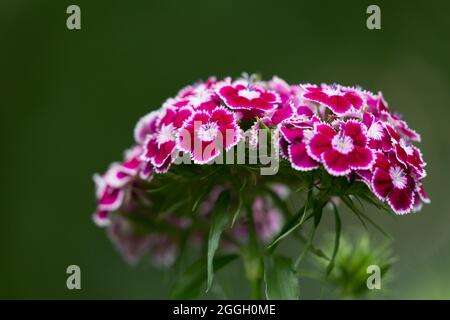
[[70, 99]]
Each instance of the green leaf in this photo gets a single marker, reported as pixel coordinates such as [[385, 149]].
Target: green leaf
[[296, 221], [220, 218], [281, 279], [337, 238], [349, 203], [190, 283]]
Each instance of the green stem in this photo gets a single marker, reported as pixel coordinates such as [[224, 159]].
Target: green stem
[[256, 288]]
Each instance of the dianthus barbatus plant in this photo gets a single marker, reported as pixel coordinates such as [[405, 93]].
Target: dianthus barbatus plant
[[205, 176]]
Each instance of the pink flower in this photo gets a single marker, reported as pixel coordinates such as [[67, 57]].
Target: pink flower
[[205, 134], [339, 99], [393, 182], [158, 147], [108, 199], [378, 135], [146, 126], [293, 142], [243, 96], [112, 187], [343, 150]]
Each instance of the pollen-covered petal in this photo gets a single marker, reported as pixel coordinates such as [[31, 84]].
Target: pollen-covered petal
[[401, 200], [381, 183], [336, 163], [361, 158], [299, 158]]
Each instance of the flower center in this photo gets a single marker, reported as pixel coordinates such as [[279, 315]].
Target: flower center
[[398, 177], [166, 133], [342, 143], [208, 132], [249, 94]]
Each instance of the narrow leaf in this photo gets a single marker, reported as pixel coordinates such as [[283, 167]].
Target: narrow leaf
[[190, 282], [281, 279], [337, 238], [220, 218]]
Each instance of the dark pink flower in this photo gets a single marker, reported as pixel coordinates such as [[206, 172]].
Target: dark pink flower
[[392, 182], [339, 99], [293, 143], [146, 126], [378, 135], [282, 113], [158, 147], [108, 199], [206, 134], [243, 96], [341, 150]]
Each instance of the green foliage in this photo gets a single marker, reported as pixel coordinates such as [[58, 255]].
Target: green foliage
[[220, 218], [281, 279]]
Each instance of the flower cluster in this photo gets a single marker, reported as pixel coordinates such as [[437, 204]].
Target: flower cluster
[[347, 131]]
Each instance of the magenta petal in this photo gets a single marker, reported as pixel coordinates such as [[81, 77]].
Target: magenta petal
[[401, 200], [292, 134], [316, 96], [300, 159], [318, 144], [355, 130], [325, 129], [338, 104], [101, 218], [222, 116], [146, 171], [281, 114], [150, 149], [354, 99], [111, 199], [204, 151], [381, 183], [163, 153], [336, 163], [361, 158], [423, 195]]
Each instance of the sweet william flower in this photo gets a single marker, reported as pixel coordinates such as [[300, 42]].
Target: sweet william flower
[[293, 142], [338, 99], [206, 134], [159, 146], [341, 150], [393, 182], [247, 96]]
